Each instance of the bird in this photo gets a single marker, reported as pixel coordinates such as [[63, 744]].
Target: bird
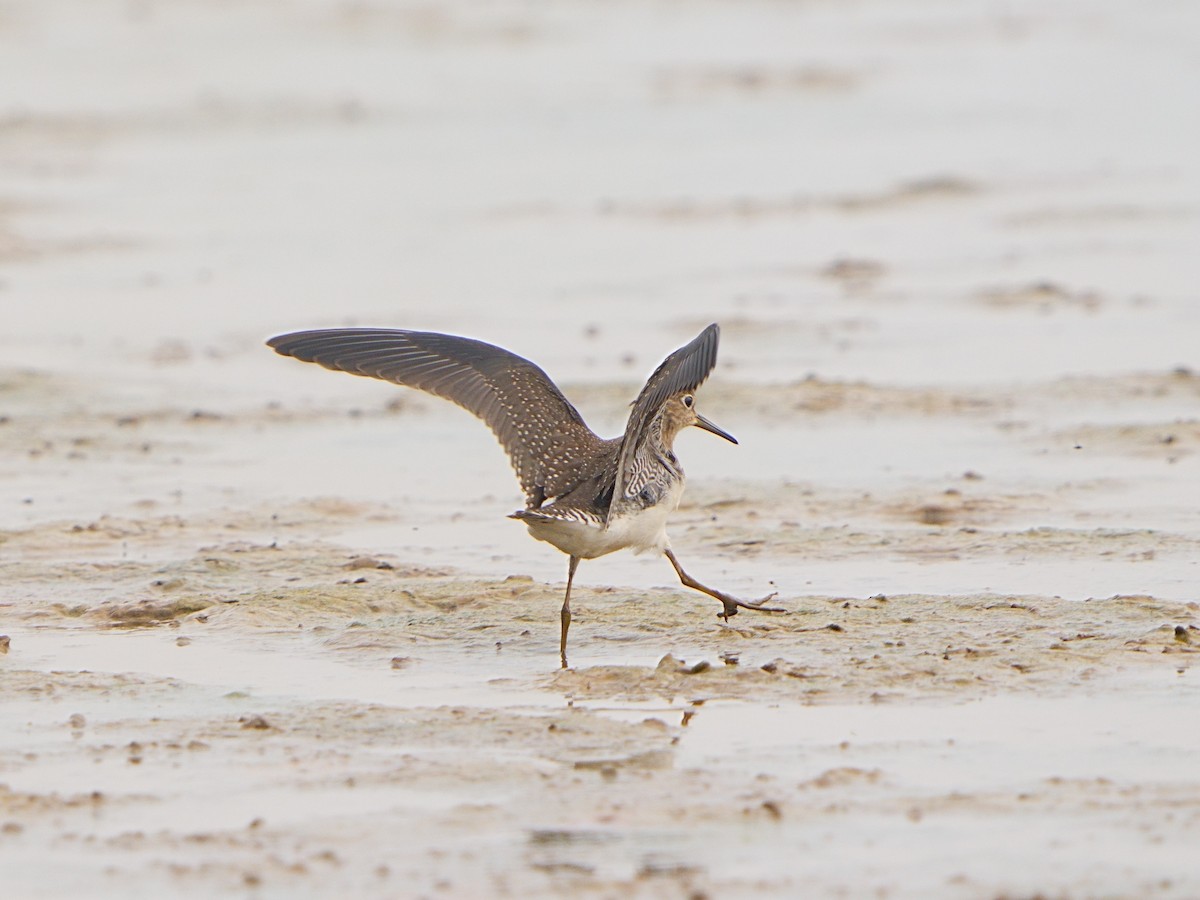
[[585, 495]]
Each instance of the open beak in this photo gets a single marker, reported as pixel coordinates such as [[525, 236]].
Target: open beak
[[702, 422]]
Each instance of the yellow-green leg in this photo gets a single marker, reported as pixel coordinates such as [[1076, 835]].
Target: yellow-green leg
[[566, 611]]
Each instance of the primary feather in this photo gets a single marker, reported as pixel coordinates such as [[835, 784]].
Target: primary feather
[[681, 372], [546, 439]]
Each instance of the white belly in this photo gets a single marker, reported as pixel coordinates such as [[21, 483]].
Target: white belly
[[640, 530]]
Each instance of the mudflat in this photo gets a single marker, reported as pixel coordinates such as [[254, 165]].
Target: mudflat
[[266, 629]]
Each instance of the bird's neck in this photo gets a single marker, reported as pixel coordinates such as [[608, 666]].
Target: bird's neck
[[662, 436]]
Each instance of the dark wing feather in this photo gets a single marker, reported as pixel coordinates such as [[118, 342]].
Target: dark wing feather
[[682, 371], [544, 435]]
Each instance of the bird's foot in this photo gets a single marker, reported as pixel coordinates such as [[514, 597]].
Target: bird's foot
[[732, 605]]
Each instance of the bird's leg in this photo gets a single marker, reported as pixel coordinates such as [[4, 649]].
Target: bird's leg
[[731, 604], [566, 611]]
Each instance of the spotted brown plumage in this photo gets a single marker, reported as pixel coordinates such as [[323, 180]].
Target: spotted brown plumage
[[585, 495], [550, 447], [681, 372]]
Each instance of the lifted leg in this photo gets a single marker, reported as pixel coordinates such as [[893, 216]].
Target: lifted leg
[[731, 604], [566, 611]]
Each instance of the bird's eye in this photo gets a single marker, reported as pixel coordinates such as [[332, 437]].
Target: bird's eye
[[688, 400]]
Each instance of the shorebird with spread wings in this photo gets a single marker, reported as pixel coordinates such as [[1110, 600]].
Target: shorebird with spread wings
[[585, 495]]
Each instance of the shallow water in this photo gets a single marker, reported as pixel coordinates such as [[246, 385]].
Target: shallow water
[[270, 631]]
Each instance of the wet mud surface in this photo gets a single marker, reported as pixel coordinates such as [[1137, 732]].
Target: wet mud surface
[[265, 631], [234, 696]]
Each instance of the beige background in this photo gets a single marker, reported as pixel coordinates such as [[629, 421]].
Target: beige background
[[952, 249]]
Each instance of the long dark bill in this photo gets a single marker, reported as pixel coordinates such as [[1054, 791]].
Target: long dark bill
[[702, 422]]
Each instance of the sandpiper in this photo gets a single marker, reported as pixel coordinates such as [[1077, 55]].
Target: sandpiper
[[585, 495]]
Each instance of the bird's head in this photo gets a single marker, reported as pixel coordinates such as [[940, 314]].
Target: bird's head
[[679, 412]]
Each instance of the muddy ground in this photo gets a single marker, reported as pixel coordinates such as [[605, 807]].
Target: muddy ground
[[265, 631], [237, 700]]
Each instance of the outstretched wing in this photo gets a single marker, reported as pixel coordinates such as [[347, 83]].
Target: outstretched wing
[[537, 426], [682, 371]]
